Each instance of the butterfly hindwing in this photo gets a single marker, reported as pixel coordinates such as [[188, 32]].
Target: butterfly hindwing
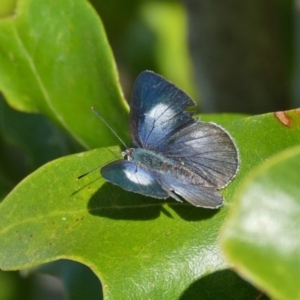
[[207, 150], [157, 110], [131, 177], [197, 195]]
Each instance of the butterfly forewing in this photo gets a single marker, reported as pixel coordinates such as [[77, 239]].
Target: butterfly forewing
[[133, 178], [157, 111]]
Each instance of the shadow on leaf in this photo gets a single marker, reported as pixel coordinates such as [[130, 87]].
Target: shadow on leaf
[[189, 212], [113, 202], [224, 284]]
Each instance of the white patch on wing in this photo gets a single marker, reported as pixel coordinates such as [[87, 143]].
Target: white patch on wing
[[159, 110], [139, 178]]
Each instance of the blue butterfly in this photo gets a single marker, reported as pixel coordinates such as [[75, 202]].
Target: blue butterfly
[[174, 155]]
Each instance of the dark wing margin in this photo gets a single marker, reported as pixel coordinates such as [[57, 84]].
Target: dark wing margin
[[157, 110], [132, 178], [207, 150], [200, 196]]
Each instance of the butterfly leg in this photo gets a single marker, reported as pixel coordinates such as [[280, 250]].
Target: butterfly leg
[[171, 194]]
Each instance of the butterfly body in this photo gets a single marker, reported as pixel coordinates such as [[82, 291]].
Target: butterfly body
[[175, 155], [161, 165]]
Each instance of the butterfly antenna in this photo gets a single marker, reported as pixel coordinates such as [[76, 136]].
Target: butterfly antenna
[[90, 171], [103, 120]]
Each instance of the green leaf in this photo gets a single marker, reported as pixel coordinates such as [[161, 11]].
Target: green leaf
[[139, 247], [55, 59], [261, 237], [29, 141], [7, 8], [224, 284], [125, 238]]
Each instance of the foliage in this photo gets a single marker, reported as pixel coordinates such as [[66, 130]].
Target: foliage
[[55, 59]]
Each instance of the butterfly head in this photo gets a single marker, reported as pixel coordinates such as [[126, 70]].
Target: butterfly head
[[127, 154]]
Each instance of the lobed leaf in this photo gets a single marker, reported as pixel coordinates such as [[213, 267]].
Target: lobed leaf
[[139, 247]]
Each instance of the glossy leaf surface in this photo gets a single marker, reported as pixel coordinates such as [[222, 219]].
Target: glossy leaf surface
[[261, 238], [137, 246]]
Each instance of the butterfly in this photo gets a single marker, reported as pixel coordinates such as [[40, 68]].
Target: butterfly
[[174, 154]]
